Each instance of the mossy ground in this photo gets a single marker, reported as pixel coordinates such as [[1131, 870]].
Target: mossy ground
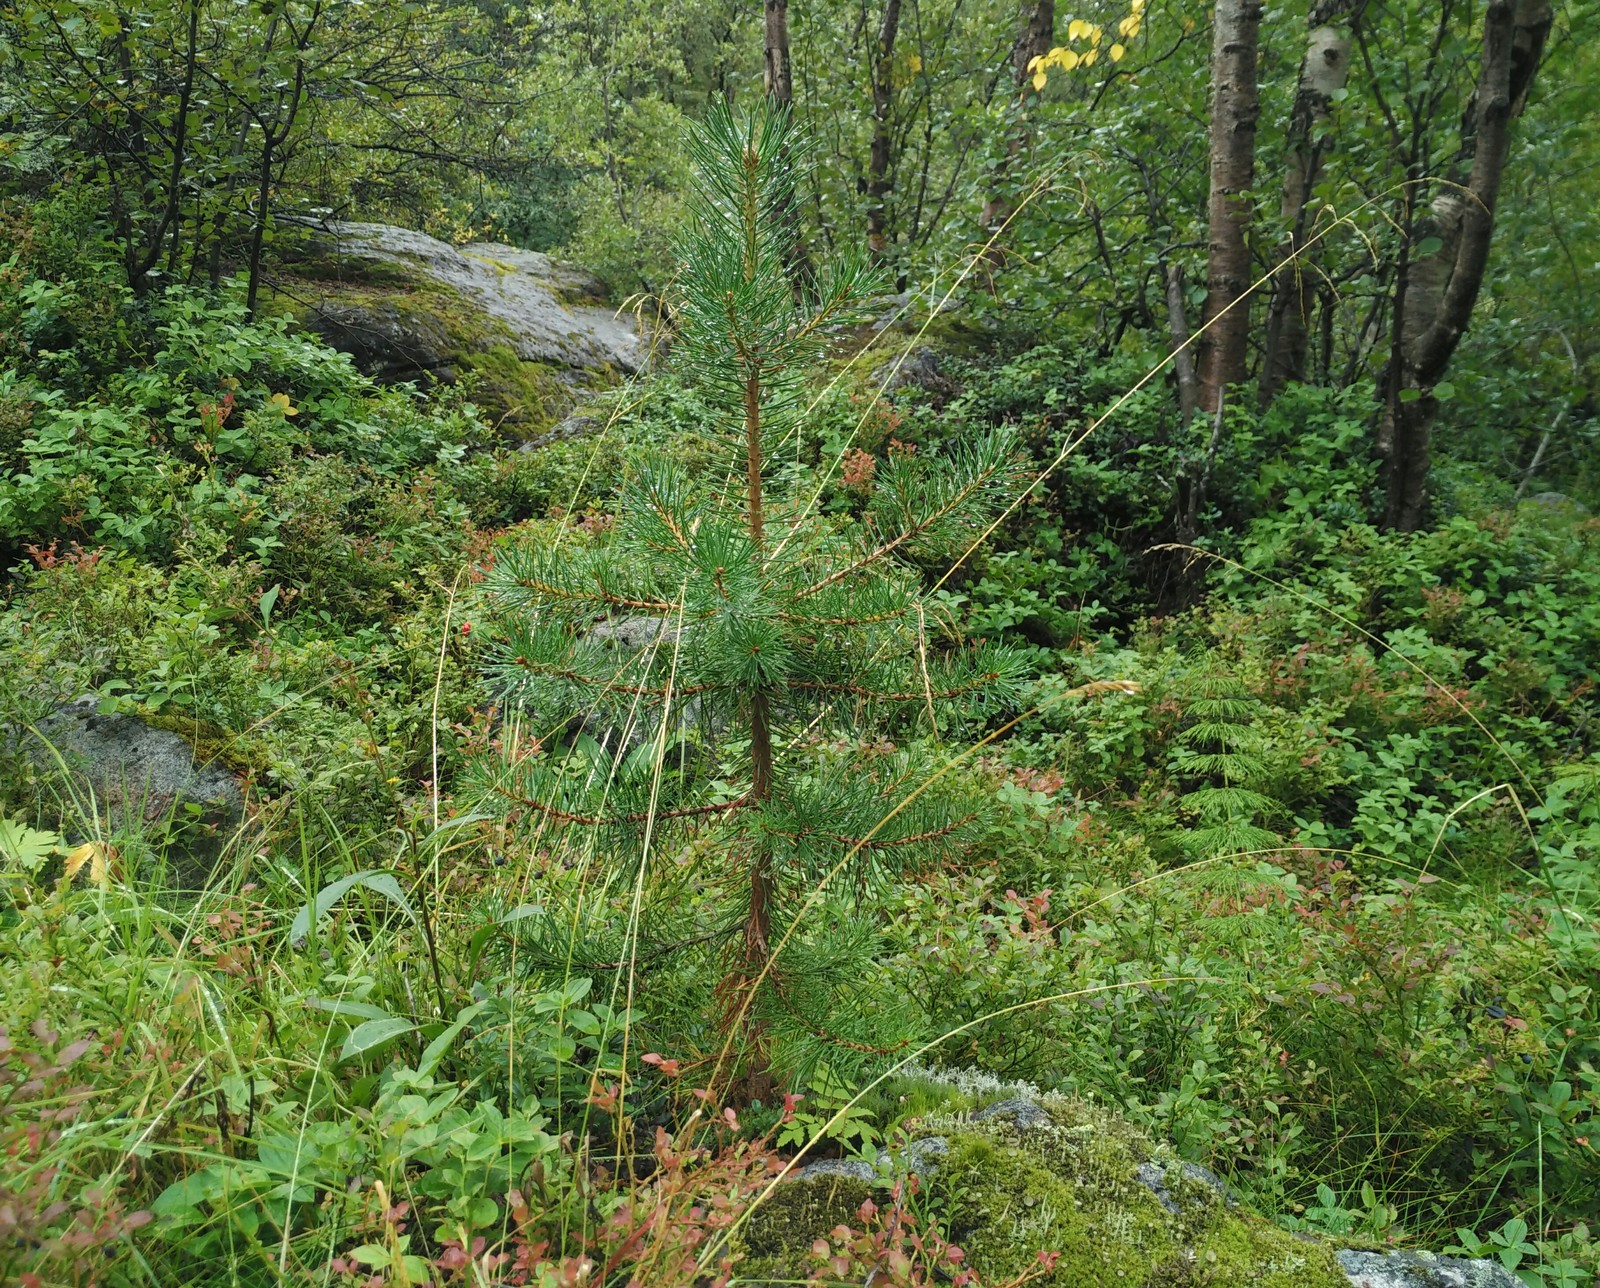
[[1070, 1188]]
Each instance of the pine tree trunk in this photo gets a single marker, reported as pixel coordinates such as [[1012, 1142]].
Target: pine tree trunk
[[1235, 107], [758, 919], [878, 182], [1322, 74], [1036, 26], [1435, 296]]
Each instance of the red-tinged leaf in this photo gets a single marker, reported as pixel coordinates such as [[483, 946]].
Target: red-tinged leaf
[[820, 1248], [731, 1118], [867, 1210], [137, 1220], [73, 1052]]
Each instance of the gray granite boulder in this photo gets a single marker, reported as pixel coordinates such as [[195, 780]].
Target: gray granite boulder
[[534, 334], [134, 773], [1423, 1270], [1054, 1174]]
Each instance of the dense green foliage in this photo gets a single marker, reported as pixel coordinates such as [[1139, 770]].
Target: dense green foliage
[[1109, 752]]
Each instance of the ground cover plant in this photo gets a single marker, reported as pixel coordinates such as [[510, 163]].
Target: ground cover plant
[[922, 690]]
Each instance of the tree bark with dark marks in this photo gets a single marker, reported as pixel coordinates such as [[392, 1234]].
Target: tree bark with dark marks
[[1323, 74], [1435, 298], [1036, 32], [881, 161], [1235, 107]]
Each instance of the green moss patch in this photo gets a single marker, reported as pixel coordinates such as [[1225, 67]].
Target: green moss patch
[[1069, 1186]]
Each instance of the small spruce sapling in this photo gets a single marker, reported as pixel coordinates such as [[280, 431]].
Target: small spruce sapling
[[775, 625]]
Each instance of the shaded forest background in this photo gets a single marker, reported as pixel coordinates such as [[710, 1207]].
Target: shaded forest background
[[1130, 631]]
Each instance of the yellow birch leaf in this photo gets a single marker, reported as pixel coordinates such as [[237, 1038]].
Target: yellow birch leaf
[[1077, 29], [1069, 60], [1117, 51], [1089, 57], [1039, 79], [97, 855], [282, 403], [1096, 35], [1033, 64]]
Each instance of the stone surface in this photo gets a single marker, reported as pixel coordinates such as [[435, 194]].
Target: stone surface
[[1159, 1180], [1052, 1175], [536, 333], [919, 1158], [922, 369], [1559, 501], [1422, 1270], [1074, 1178], [135, 772], [1024, 1115], [565, 431], [852, 1169]]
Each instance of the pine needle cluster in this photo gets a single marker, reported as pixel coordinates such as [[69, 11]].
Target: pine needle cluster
[[760, 631]]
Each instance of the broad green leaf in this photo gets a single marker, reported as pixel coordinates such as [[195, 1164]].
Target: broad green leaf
[[383, 883], [374, 1034], [343, 1006], [435, 1050]]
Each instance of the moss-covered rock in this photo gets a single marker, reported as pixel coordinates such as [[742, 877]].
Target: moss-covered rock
[[1067, 1178], [531, 335]]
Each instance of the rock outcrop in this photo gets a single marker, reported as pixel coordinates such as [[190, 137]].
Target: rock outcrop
[[534, 334], [1021, 1177], [133, 774]]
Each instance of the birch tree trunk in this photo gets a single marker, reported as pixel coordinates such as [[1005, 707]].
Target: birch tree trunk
[[1036, 32], [780, 72], [1235, 107], [1436, 297], [1323, 73]]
